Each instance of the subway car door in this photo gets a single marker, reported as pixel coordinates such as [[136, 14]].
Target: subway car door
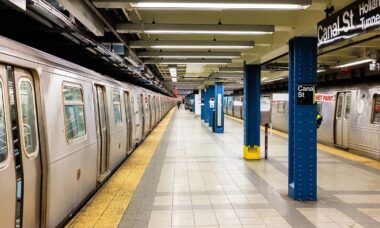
[[342, 118], [103, 132], [7, 164], [26, 145], [128, 117]]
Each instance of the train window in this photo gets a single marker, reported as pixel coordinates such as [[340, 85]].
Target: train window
[[376, 109], [319, 107], [75, 125], [339, 106], [29, 120], [117, 108], [3, 130], [348, 106], [281, 107]]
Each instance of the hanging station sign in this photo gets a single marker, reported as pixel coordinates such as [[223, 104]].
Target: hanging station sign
[[359, 17]]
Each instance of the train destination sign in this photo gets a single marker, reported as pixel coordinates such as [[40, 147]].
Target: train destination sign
[[357, 18], [305, 94]]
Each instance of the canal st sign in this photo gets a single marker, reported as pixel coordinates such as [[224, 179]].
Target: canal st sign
[[356, 18]]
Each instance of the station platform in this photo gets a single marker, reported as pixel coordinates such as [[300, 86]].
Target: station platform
[[184, 175]]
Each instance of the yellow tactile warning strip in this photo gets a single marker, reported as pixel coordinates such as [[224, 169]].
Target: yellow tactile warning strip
[[107, 206], [330, 150]]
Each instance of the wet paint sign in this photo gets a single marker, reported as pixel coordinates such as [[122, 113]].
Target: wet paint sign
[[324, 98]]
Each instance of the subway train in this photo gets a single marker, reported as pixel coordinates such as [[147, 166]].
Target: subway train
[[63, 130], [351, 119]]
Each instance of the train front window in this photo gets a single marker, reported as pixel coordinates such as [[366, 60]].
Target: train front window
[[117, 108], [75, 125], [29, 121], [3, 131], [376, 109]]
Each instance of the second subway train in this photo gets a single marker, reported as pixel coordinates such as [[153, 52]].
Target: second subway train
[[350, 121]]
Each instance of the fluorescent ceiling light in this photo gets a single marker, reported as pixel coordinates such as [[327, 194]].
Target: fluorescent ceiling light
[[223, 29], [355, 63], [275, 79], [192, 44], [222, 5], [321, 70], [188, 61], [190, 54], [173, 72], [231, 70]]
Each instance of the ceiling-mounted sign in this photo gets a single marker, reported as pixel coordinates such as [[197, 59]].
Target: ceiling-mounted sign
[[359, 17], [306, 94]]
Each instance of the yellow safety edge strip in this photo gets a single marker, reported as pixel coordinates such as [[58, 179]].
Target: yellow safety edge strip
[[107, 206], [328, 149]]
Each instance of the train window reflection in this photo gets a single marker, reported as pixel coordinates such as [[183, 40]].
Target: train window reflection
[[3, 131], [29, 121], [376, 109], [117, 108], [75, 125]]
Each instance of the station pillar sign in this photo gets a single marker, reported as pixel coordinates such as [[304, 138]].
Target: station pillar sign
[[302, 182], [252, 114], [211, 104], [218, 125]]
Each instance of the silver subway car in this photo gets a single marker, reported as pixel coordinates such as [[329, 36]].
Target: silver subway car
[[63, 130], [351, 121]]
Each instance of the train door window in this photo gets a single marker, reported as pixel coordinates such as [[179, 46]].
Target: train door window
[[3, 131], [319, 107], [29, 120], [75, 125], [117, 108], [348, 106], [376, 109], [281, 107], [340, 106]]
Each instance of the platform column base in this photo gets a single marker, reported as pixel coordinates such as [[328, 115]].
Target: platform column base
[[252, 153]]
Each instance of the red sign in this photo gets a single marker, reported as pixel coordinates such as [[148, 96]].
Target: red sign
[[324, 98]]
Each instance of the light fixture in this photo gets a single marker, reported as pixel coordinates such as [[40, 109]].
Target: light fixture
[[188, 61], [190, 54], [192, 44], [222, 4], [275, 79], [355, 63], [321, 70], [215, 29], [173, 72]]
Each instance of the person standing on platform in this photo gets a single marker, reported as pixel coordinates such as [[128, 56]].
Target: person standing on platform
[[178, 104]]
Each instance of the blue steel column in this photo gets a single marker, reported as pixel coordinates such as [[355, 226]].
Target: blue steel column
[[302, 121], [202, 104], [252, 89], [219, 91], [210, 114], [207, 105]]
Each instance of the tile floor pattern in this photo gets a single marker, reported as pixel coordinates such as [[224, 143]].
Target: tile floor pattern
[[199, 179]]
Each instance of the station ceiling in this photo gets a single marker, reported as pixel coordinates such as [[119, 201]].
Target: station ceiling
[[155, 36]]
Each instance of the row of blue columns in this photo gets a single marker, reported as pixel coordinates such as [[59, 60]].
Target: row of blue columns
[[213, 116]]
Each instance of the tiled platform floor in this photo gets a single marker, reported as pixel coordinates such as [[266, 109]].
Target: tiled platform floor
[[199, 179]]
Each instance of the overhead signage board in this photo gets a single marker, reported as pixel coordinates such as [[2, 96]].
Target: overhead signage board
[[359, 17], [305, 94]]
